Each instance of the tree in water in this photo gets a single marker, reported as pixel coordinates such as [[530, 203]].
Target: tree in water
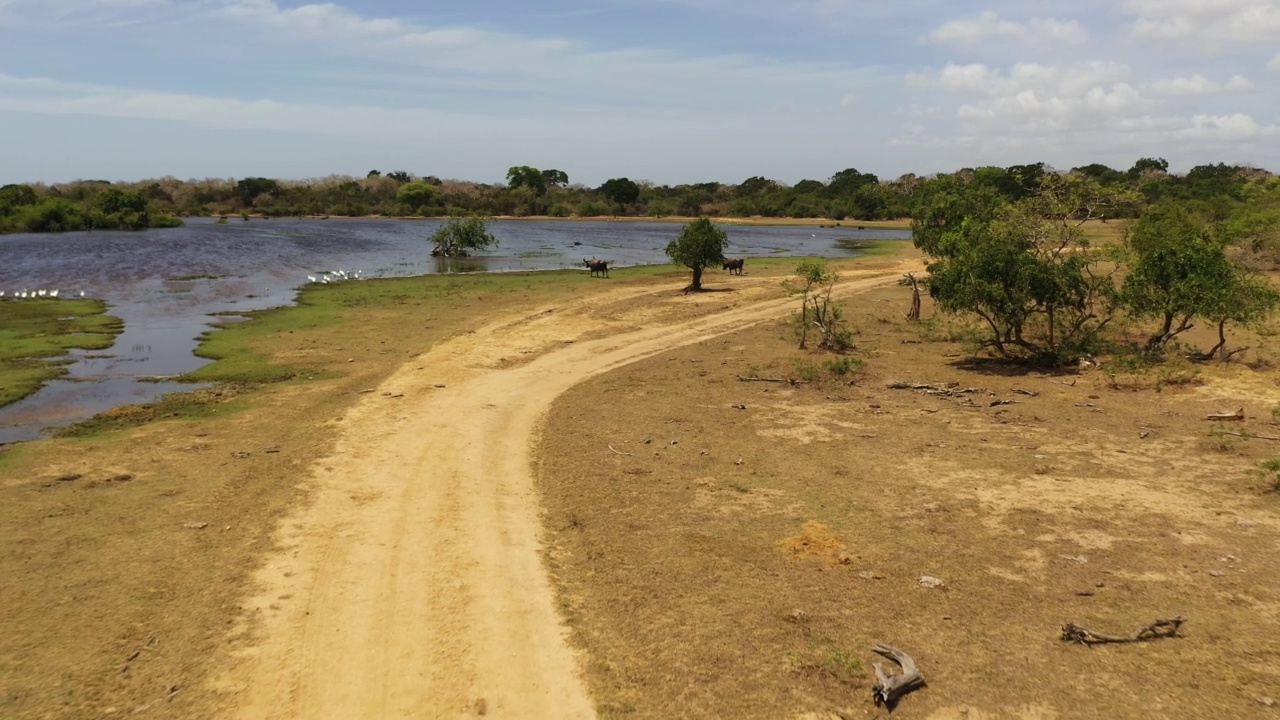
[[458, 237], [699, 245]]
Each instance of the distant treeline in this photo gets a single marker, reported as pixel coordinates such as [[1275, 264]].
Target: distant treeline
[[849, 194]]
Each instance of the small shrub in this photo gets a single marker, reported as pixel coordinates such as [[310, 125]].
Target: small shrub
[[1270, 471], [842, 366], [807, 371]]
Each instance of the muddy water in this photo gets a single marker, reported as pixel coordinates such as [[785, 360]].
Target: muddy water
[[165, 284]]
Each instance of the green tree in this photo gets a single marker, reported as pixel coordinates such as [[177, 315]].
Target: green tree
[[458, 237], [400, 176], [527, 177], [249, 188], [1180, 271], [621, 191], [416, 196], [699, 245], [1025, 268], [114, 200], [555, 178], [13, 197]]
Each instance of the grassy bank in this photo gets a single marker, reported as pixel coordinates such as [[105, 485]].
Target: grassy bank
[[36, 336]]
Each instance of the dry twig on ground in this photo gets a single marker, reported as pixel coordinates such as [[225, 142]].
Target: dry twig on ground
[[888, 689], [1162, 628]]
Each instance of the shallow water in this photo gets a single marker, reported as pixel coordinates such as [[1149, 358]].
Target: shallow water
[[165, 284]]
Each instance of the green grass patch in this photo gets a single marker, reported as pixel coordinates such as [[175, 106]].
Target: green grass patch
[[37, 335], [870, 248]]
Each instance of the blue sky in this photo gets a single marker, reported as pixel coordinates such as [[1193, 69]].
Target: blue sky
[[662, 90]]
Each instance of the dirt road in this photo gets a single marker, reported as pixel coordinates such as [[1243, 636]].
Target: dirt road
[[413, 585]]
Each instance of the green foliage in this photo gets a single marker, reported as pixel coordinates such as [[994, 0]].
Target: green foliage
[[699, 245], [523, 176], [814, 284], [458, 237], [417, 197], [13, 197], [843, 366], [1270, 471], [621, 191], [1180, 272], [1024, 266], [248, 189]]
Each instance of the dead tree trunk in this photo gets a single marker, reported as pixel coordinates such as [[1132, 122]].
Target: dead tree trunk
[[914, 313]]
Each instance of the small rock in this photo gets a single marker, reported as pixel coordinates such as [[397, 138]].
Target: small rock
[[440, 385], [272, 449], [69, 478], [1215, 573], [351, 359], [1143, 435], [1266, 701], [704, 452], [675, 442], [844, 559], [123, 477], [740, 406], [1075, 558], [648, 440], [738, 461], [929, 581], [195, 525], [242, 455]]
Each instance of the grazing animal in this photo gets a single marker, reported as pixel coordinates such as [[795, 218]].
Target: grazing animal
[[597, 267], [734, 264]]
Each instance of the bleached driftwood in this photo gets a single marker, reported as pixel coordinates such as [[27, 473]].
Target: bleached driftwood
[[889, 688]]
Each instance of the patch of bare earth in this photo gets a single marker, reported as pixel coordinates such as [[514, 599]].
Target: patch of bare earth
[[734, 549]]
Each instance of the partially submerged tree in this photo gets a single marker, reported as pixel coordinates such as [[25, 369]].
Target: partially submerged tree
[[458, 237], [699, 245], [814, 286]]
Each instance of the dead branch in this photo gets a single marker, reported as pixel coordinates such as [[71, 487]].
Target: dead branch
[[786, 381], [1248, 436], [618, 452], [940, 389], [914, 312], [1225, 415], [888, 689], [1028, 393], [1162, 628], [1070, 384]]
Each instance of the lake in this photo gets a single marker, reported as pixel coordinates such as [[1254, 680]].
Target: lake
[[165, 284]]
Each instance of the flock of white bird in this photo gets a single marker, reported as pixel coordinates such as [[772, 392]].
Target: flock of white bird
[[332, 276], [25, 294]]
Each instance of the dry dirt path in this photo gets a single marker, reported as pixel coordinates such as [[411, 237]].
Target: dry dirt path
[[413, 587]]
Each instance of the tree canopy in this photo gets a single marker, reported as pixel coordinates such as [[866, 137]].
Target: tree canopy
[[699, 245]]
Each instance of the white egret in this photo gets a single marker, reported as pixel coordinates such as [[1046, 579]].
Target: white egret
[[53, 293]]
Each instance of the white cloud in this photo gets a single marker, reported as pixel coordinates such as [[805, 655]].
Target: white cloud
[[989, 26], [1274, 65], [1208, 24], [1198, 86]]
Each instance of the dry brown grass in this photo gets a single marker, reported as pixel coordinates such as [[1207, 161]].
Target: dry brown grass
[[741, 563]]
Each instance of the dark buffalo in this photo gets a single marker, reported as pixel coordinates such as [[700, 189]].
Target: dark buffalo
[[597, 267], [734, 265]]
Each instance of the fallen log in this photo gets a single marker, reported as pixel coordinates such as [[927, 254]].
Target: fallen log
[[888, 689], [1248, 436], [786, 381], [1162, 628], [1226, 415]]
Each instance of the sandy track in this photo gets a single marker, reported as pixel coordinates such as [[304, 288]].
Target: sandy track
[[413, 585]]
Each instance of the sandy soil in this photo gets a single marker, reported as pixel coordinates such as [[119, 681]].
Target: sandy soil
[[413, 585]]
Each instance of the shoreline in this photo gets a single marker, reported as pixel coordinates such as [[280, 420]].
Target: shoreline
[[902, 224]]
